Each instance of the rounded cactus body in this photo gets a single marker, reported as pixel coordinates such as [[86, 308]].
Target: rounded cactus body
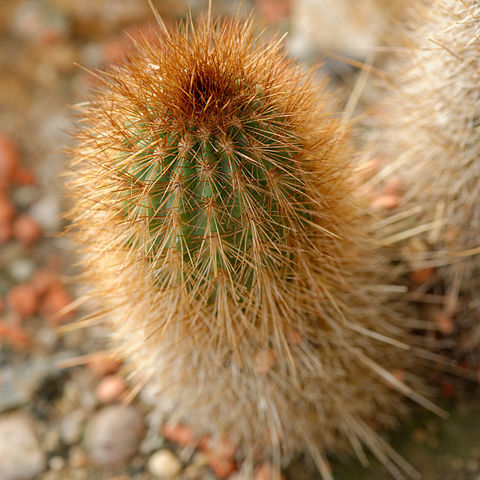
[[220, 232], [431, 136]]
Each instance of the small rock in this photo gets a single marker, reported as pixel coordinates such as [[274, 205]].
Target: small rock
[[71, 427], [164, 464], [46, 211], [23, 176], [113, 435], [9, 160], [422, 275], [21, 457], [26, 230], [267, 472], [56, 299], [51, 440], [23, 299], [385, 202], [264, 361], [444, 322], [56, 464], [7, 209], [46, 337], [21, 269], [102, 364], [77, 458], [6, 232], [179, 434], [44, 279], [110, 388], [222, 467], [23, 196]]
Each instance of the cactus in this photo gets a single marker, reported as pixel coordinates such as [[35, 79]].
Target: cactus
[[431, 132], [220, 233]]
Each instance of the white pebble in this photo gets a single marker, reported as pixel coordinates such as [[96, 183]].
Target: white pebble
[[46, 211], [164, 464], [22, 269], [56, 464], [21, 457]]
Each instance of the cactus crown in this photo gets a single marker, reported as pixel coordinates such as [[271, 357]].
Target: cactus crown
[[209, 166]]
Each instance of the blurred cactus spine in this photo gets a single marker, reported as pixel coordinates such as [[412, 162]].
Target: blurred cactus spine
[[431, 132], [220, 233]]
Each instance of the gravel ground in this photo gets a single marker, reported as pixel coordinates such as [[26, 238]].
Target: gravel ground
[[62, 412]]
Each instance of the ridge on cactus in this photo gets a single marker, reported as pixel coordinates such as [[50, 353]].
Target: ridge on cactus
[[431, 132], [223, 240]]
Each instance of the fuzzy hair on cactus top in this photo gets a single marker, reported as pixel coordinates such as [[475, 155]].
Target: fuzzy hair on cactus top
[[223, 242]]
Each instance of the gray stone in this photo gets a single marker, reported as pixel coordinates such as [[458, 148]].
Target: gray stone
[[113, 434], [21, 457], [71, 427]]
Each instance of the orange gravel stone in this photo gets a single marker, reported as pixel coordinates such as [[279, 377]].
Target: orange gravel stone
[[422, 275], [222, 467], [7, 208], [102, 364], [6, 232], [55, 300], [44, 279], [264, 361], [9, 160], [385, 202], [23, 299], [26, 230], [444, 322], [267, 472], [179, 434], [24, 176], [110, 388]]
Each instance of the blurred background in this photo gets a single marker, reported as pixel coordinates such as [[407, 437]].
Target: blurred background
[[61, 398]]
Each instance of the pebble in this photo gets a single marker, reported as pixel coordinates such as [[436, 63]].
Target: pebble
[[21, 269], [71, 427], [164, 464], [9, 160], [444, 322], [26, 230], [113, 435], [21, 457], [46, 211], [222, 467], [267, 472], [179, 434], [102, 364], [110, 388], [22, 299], [7, 209], [56, 463], [422, 275], [6, 232], [264, 361], [56, 299], [386, 202], [77, 458], [24, 196]]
